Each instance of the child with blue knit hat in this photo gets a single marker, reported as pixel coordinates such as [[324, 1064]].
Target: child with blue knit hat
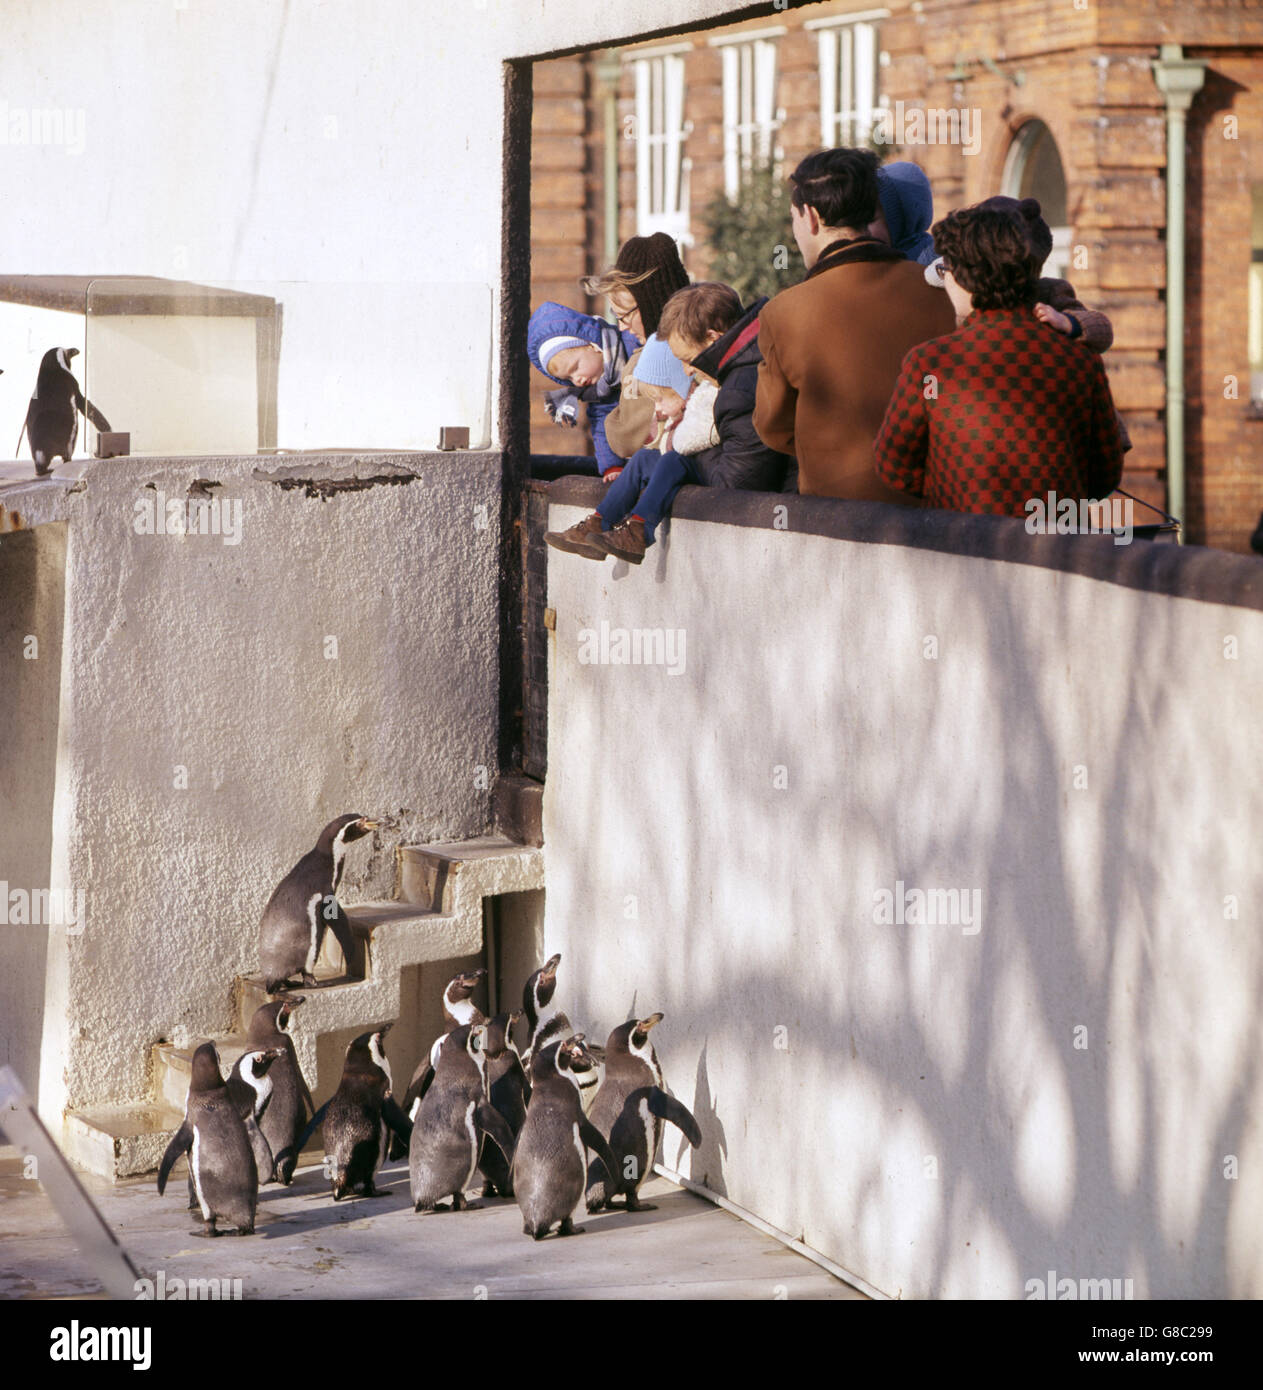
[[684, 415], [586, 356]]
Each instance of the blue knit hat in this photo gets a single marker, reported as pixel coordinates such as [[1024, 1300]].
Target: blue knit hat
[[659, 366]]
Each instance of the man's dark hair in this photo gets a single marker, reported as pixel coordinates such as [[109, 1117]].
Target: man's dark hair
[[990, 254], [840, 184]]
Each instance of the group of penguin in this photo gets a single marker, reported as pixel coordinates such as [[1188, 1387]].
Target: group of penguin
[[52, 418], [526, 1119]]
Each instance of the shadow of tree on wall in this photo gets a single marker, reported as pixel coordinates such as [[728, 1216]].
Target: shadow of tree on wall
[[1075, 1070]]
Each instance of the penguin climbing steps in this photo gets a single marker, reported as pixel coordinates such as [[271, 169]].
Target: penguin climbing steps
[[437, 916]]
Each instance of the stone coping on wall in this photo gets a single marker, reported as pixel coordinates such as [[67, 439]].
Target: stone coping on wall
[[1189, 571], [323, 474]]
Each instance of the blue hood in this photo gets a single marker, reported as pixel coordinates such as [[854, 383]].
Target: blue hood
[[552, 320], [908, 207]]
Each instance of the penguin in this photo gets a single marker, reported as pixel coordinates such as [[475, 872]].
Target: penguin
[[291, 1103], [304, 903], [358, 1117], [250, 1090], [544, 1019], [458, 1010], [629, 1110], [451, 1122], [508, 1090], [52, 425], [547, 1024], [550, 1164], [222, 1167]]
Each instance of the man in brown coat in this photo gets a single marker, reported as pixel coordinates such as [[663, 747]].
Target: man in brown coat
[[832, 345]]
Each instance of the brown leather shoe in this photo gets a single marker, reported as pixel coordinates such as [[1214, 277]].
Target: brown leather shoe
[[626, 541], [580, 539]]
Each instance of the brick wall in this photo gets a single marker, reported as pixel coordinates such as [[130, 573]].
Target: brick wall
[[1086, 73]]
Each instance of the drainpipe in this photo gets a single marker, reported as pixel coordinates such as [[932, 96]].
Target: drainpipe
[[609, 72], [1179, 79]]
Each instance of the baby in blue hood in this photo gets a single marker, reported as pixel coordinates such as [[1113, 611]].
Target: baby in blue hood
[[907, 210], [587, 355]]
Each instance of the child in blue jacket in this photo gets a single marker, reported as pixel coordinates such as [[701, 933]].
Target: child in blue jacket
[[586, 356]]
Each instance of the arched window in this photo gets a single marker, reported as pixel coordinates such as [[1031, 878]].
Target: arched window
[[1032, 169]]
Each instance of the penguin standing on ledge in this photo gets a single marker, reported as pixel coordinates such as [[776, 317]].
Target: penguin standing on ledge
[[52, 418], [304, 904]]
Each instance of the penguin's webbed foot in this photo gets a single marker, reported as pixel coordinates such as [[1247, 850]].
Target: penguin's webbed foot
[[634, 1203], [568, 1228]]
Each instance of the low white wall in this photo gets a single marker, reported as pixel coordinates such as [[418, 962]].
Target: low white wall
[[209, 728], [1068, 1081]]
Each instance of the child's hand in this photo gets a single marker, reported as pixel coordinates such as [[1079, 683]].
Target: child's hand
[[1045, 313]]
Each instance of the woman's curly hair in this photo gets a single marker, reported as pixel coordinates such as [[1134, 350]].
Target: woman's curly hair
[[990, 253]]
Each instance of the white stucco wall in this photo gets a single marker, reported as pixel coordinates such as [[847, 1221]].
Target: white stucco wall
[[305, 143], [944, 1112], [207, 733]]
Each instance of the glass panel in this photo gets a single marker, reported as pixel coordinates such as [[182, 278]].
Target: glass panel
[[252, 368]]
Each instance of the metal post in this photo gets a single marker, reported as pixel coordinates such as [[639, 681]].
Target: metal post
[[1178, 79]]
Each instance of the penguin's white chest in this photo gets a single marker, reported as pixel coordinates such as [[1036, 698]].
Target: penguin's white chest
[[195, 1166], [648, 1121], [313, 945], [472, 1130]]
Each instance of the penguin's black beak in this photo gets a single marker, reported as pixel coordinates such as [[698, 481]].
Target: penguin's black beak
[[72, 352], [652, 1021]]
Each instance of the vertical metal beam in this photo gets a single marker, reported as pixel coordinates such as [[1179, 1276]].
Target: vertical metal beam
[[609, 71], [514, 402], [1179, 79]]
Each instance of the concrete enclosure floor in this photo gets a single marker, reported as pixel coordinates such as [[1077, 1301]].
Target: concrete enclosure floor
[[306, 1246]]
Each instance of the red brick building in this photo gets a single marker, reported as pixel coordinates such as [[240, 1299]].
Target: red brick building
[[1055, 98]]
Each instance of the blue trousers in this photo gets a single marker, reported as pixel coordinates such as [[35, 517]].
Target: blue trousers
[[647, 486]]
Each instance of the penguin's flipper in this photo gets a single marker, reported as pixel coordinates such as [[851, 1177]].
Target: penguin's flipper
[[490, 1122], [595, 1141], [240, 1093], [261, 1149], [594, 1191], [302, 1086], [666, 1107], [312, 1126], [398, 1122], [181, 1143], [417, 1087], [87, 408], [352, 954]]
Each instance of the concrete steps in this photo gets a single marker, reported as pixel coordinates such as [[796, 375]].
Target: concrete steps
[[438, 916]]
